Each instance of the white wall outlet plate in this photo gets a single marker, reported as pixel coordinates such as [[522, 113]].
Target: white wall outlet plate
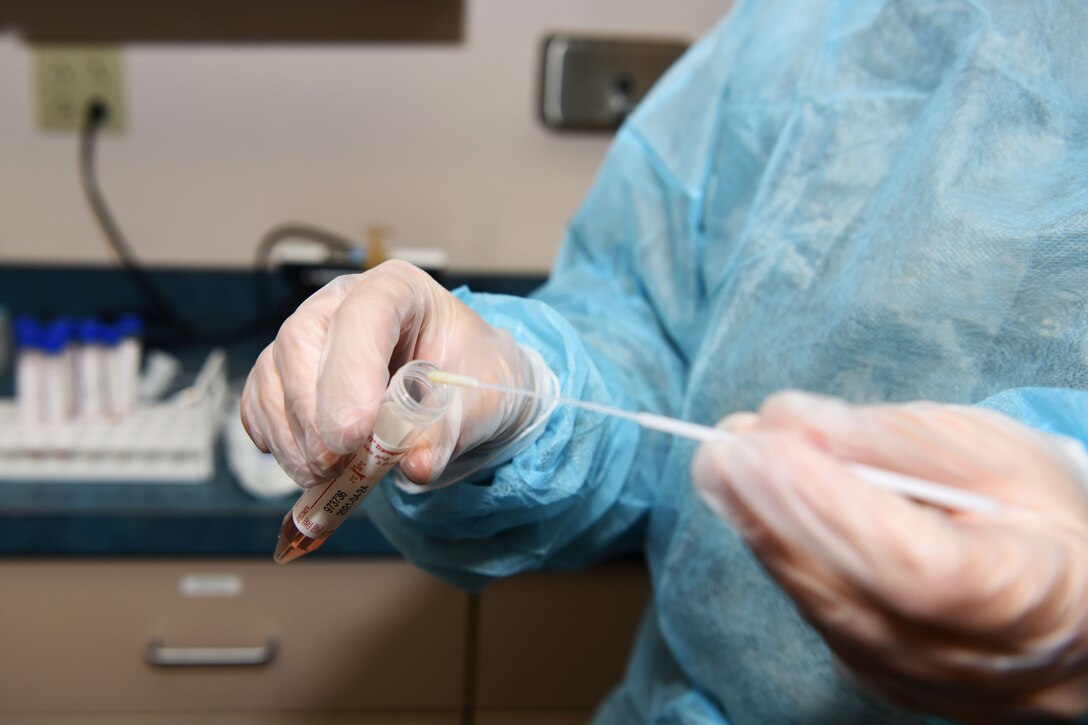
[[68, 77]]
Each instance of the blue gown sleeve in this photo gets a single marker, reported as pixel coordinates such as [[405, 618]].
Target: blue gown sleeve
[[1059, 411], [581, 491]]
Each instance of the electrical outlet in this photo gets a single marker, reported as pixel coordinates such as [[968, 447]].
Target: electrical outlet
[[68, 77]]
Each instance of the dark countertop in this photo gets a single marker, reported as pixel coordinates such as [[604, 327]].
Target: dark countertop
[[211, 518], [163, 519], [214, 518]]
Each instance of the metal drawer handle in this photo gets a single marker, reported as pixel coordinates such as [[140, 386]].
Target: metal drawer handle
[[160, 655]]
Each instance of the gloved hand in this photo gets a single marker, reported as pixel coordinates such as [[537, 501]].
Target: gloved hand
[[978, 617], [313, 394]]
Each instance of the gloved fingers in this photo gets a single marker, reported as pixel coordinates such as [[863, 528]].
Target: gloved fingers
[[328, 369], [972, 448], [394, 315], [432, 451], [739, 422], [870, 542], [380, 311], [931, 696], [935, 608], [933, 669], [263, 416], [247, 408], [1035, 538], [964, 573], [1018, 700], [840, 547], [1067, 700], [296, 352], [888, 437], [825, 595], [945, 662]]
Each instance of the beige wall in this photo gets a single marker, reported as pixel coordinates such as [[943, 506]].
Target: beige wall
[[223, 142]]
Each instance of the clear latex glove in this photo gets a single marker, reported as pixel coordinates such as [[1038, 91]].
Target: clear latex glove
[[312, 396], [979, 617]]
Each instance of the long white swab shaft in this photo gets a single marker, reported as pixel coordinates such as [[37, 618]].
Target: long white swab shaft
[[919, 489]]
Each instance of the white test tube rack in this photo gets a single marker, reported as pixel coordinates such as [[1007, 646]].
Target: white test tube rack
[[172, 441]]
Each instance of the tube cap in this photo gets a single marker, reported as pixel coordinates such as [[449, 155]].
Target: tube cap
[[27, 332], [53, 340], [110, 335], [130, 325], [89, 331]]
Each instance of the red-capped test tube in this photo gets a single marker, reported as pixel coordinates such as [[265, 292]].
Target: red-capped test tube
[[411, 404]]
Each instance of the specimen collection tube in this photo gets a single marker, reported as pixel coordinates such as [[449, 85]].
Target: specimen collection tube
[[125, 365], [67, 371], [56, 376], [411, 404], [28, 370]]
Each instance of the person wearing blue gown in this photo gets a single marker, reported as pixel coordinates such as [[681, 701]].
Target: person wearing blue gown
[[874, 201]]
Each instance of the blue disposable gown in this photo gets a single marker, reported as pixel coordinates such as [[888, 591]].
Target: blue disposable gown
[[880, 200]]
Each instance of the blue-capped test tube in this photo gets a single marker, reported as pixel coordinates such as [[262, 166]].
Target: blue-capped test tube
[[90, 370], [55, 378], [111, 338], [65, 328], [125, 364], [28, 370]]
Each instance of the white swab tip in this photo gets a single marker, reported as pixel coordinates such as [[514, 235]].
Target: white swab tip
[[441, 376]]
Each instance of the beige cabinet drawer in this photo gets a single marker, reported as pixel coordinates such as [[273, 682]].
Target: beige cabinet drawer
[[362, 717], [557, 641], [376, 635], [532, 717]]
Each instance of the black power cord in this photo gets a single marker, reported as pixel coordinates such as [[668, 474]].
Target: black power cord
[[295, 230], [97, 113], [94, 118], [281, 233]]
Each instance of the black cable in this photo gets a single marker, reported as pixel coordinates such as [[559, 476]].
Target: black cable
[[96, 114], [95, 117], [296, 230], [290, 230]]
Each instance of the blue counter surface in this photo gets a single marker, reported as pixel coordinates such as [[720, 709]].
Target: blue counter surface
[[210, 519], [215, 518]]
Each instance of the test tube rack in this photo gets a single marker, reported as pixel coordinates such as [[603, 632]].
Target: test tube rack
[[168, 442]]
